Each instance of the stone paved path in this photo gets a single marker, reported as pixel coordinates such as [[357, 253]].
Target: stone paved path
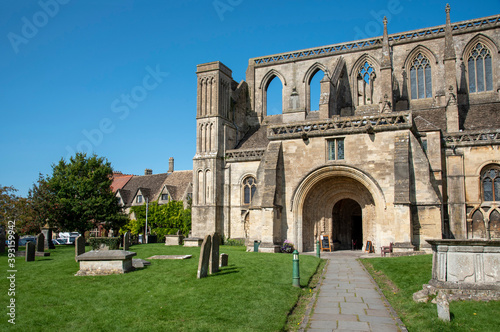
[[349, 300]]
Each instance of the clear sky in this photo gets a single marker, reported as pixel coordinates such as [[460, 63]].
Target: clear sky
[[117, 77]]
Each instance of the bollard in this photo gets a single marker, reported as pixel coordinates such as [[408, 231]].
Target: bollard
[[318, 250], [296, 270]]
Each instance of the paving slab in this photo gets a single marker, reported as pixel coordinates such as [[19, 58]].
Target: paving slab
[[349, 300]]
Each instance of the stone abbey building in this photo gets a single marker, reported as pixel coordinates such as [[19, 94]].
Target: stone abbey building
[[404, 146]]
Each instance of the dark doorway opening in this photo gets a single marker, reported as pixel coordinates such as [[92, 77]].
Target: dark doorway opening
[[347, 224]]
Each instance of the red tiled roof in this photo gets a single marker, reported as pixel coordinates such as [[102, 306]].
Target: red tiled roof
[[119, 181]]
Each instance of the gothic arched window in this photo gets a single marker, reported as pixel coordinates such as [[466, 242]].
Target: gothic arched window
[[490, 183], [420, 78], [366, 76], [249, 187], [479, 69]]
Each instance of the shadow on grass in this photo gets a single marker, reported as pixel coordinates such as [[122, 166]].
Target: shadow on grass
[[228, 270]]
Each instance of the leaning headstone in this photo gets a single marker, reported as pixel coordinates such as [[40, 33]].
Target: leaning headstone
[[214, 254], [2, 240], [204, 257], [79, 246], [126, 241], [443, 307], [30, 252], [40, 242], [224, 259]]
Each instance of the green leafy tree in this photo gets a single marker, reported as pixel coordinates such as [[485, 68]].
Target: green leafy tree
[[82, 196], [17, 209], [8, 200]]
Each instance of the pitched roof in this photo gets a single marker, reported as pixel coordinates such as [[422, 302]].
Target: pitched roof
[[150, 186], [482, 116], [119, 181], [177, 182]]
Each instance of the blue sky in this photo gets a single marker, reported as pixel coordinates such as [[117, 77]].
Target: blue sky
[[67, 67]]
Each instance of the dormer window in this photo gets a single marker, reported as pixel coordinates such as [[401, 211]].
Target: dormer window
[[138, 199], [164, 197]]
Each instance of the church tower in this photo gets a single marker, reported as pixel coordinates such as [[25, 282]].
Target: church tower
[[213, 121]]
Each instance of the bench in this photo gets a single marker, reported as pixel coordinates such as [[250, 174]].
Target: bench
[[385, 250]]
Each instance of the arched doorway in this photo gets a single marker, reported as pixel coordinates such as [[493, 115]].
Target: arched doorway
[[347, 224], [340, 192]]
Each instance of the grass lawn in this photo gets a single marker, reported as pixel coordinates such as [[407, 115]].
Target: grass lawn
[[400, 277], [253, 293]]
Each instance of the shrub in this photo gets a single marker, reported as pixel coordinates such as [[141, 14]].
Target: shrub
[[287, 247], [113, 243], [232, 242]]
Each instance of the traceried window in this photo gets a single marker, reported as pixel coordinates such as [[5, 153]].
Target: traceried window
[[479, 69], [336, 149], [420, 78], [249, 188], [490, 183], [366, 76]]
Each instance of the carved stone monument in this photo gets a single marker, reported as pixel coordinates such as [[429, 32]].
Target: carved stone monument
[[47, 233], [204, 257]]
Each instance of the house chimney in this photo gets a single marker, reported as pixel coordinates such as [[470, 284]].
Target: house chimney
[[171, 164], [148, 171]]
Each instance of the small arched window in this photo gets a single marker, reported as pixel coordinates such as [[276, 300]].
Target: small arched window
[[490, 183], [479, 69], [420, 77], [249, 187]]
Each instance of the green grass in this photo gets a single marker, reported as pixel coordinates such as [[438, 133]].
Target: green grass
[[253, 293], [400, 277]]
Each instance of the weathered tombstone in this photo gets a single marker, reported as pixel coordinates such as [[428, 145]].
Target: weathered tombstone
[[40, 245], [16, 242], [126, 241], [79, 246], [443, 307], [224, 260], [204, 257], [47, 232], [214, 254], [2, 240], [30, 252]]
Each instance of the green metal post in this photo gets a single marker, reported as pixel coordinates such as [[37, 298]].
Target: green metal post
[[296, 271], [318, 250]]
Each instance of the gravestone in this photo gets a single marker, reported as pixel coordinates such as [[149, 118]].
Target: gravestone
[[214, 253], [40, 242], [126, 241], [224, 260], [47, 232], [2, 240], [30, 252], [443, 307], [79, 246], [16, 242], [204, 257]]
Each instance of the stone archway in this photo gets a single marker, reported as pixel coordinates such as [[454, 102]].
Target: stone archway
[[315, 202]]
